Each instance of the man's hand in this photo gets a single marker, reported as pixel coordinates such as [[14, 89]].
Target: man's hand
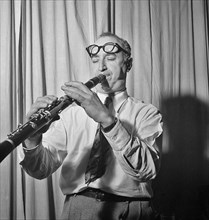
[[40, 103], [89, 101]]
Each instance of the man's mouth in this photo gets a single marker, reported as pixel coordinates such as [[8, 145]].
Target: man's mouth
[[107, 75]]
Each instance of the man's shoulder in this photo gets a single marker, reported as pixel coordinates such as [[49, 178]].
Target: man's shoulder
[[142, 107], [139, 102]]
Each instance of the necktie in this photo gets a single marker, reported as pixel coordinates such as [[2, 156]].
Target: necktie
[[99, 154]]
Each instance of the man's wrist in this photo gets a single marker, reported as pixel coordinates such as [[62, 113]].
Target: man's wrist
[[110, 126], [32, 142]]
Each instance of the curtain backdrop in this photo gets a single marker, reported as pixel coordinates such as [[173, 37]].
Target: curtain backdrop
[[42, 45]]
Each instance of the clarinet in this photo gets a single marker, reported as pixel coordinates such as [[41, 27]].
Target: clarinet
[[40, 119]]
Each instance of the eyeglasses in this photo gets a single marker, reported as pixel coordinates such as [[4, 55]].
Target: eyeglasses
[[109, 48]]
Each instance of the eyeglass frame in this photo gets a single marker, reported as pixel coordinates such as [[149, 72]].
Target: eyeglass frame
[[103, 46]]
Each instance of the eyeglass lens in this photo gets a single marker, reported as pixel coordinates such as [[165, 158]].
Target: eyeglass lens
[[108, 48]]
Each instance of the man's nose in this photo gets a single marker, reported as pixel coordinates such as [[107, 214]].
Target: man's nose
[[102, 65]]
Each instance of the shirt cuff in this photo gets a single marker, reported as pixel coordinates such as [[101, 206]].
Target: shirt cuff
[[29, 150], [118, 136]]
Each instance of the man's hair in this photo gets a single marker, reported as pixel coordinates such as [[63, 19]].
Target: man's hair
[[124, 44]]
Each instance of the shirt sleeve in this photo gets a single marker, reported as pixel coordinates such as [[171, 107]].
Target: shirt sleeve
[[136, 149], [41, 161]]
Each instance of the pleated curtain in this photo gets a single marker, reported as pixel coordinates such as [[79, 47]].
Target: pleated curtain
[[42, 45]]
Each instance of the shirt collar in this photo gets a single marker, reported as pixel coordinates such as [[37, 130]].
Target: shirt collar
[[118, 98]]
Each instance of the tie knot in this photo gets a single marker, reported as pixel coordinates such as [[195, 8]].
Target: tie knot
[[107, 101]]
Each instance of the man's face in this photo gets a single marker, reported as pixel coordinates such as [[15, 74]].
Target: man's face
[[111, 65]]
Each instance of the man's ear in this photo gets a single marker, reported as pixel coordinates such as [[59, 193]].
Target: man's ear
[[128, 63]]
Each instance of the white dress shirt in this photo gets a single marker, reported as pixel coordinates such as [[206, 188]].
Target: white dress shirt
[[134, 159]]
